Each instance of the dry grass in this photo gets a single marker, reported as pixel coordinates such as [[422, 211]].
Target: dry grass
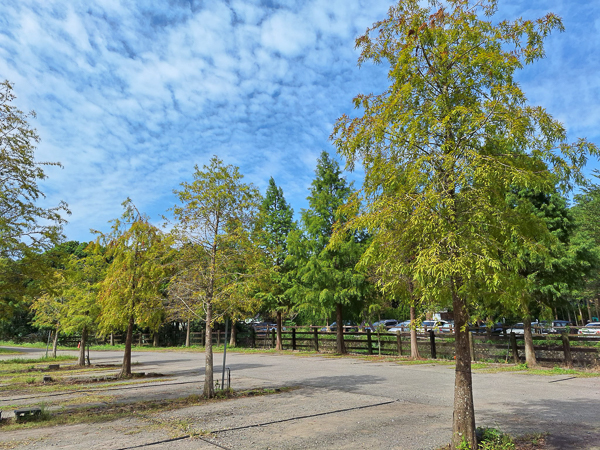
[[113, 411]]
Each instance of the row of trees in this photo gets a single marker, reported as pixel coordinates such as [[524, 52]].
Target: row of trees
[[462, 205]]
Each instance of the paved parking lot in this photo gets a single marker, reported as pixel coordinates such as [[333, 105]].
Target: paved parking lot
[[338, 403]]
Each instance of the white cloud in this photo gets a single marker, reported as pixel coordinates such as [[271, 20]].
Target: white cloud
[[130, 96]]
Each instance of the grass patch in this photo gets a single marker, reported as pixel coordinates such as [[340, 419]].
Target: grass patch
[[437, 362], [494, 439], [22, 344], [9, 351], [42, 360], [106, 413], [547, 371]]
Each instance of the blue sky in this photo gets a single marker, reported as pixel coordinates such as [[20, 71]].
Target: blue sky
[[130, 95]]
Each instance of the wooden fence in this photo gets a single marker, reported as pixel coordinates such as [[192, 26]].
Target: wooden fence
[[552, 348], [561, 349]]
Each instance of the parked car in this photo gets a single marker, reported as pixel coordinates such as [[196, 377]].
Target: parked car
[[436, 325], [517, 329], [387, 323], [591, 329], [402, 326], [348, 326], [262, 327], [559, 326], [447, 327]]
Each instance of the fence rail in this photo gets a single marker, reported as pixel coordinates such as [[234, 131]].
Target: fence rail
[[568, 349]]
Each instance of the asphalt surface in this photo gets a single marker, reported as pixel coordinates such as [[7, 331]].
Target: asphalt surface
[[338, 403]]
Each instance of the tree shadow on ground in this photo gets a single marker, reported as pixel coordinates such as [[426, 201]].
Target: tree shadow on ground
[[346, 383], [571, 423], [216, 369]]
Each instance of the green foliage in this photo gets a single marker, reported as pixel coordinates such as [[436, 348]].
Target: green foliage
[[554, 274], [215, 232], [325, 276], [446, 142], [586, 212], [26, 228], [277, 223], [20, 173], [132, 286], [494, 439]]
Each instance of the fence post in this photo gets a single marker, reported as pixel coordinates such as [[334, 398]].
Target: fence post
[[293, 339], [369, 348], [432, 343], [273, 339], [567, 350], [316, 339], [513, 345], [472, 346], [252, 337], [399, 342]]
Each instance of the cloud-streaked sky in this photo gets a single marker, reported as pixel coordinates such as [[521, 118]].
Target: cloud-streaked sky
[[130, 95]]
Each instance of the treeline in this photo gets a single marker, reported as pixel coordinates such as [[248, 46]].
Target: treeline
[[232, 253]]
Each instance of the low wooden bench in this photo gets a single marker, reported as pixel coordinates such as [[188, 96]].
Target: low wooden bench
[[27, 413]]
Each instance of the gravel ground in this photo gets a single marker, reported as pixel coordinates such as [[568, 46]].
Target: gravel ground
[[338, 403]]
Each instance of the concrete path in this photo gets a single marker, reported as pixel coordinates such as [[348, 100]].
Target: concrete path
[[339, 403]]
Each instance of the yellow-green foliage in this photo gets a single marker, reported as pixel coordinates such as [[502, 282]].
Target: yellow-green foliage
[[133, 285]]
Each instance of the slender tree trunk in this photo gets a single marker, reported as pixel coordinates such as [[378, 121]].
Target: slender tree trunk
[[340, 347], [463, 421], [82, 344], [155, 339], [112, 338], [187, 332], [126, 368], [414, 348], [589, 308], [597, 314], [55, 341], [233, 338], [580, 314], [279, 343], [569, 314], [209, 388], [530, 358]]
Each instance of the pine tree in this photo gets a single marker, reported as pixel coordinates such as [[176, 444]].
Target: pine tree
[[277, 223], [325, 278]]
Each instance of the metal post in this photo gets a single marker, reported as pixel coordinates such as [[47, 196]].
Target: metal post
[[48, 344], [224, 355], [369, 343]]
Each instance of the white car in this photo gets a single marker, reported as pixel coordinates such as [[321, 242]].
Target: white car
[[591, 329], [440, 326], [517, 329]]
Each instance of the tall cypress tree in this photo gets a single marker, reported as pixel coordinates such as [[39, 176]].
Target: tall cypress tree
[[325, 276], [277, 221]]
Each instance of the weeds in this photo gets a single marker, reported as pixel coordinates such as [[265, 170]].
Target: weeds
[[106, 413]]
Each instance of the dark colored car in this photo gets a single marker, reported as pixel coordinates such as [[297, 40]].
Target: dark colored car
[[387, 323]]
